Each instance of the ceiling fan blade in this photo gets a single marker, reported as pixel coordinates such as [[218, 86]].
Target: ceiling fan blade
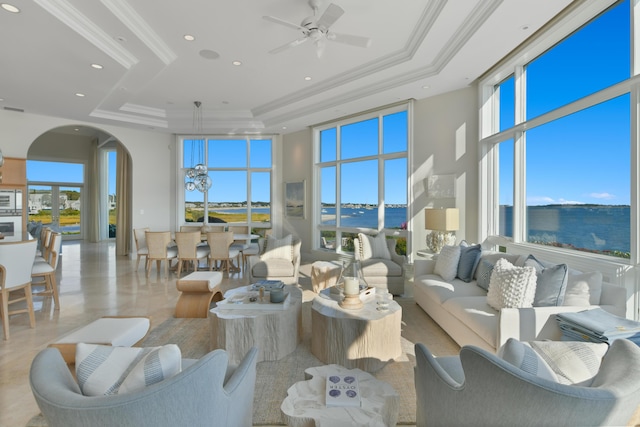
[[330, 16], [358, 41], [289, 45], [283, 22]]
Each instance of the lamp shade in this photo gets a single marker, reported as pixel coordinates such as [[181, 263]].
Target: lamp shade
[[441, 219]]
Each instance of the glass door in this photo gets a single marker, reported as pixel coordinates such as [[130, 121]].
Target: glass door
[[58, 207]]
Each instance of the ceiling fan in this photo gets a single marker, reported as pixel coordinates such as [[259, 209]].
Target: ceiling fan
[[317, 29]]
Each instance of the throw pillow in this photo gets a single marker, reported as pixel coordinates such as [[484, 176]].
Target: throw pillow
[[573, 362], [447, 262], [483, 274], [583, 289], [373, 246], [511, 286], [551, 282], [105, 370], [278, 248], [522, 356], [469, 256]]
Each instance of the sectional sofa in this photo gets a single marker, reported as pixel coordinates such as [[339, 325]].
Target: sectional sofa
[[462, 310]]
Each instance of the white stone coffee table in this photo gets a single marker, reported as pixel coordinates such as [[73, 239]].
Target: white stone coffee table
[[275, 333], [365, 338], [305, 402]]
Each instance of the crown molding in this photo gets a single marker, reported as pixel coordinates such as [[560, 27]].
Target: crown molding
[[120, 117], [138, 26], [71, 17], [141, 109]]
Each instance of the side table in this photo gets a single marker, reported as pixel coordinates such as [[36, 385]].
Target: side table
[[276, 333], [324, 274], [365, 338], [305, 403]]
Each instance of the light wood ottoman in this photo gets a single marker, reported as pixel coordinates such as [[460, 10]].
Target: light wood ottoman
[[198, 290], [115, 331]]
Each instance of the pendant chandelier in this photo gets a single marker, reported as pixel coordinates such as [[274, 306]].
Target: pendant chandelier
[[197, 176]]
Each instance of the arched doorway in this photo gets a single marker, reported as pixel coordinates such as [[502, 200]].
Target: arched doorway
[[84, 205]]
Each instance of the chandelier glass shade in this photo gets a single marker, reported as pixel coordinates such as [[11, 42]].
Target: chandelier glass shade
[[197, 176]]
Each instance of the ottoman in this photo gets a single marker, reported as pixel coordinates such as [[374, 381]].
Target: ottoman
[[198, 290]]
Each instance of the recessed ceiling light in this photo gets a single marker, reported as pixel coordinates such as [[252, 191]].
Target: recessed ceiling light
[[307, 78], [189, 37], [77, 129], [80, 94], [284, 127], [237, 63], [426, 87], [1, 99], [97, 66], [10, 8]]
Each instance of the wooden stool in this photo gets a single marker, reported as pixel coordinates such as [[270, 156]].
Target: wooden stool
[[198, 289], [324, 274], [116, 331]]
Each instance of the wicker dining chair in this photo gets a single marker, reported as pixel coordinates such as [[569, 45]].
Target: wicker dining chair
[[189, 249], [220, 249], [46, 269], [159, 250]]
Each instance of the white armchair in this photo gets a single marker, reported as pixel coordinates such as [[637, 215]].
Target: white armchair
[[381, 269], [280, 260]]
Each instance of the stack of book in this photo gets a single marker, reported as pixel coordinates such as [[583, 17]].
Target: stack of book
[[342, 390], [597, 325], [267, 285]]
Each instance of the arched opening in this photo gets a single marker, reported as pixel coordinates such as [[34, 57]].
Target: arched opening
[[79, 182]]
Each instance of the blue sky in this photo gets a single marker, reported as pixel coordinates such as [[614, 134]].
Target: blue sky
[[586, 153]]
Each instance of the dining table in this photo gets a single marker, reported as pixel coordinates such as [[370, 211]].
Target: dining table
[[16, 236]]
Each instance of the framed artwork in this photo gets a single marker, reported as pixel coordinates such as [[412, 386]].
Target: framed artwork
[[441, 186], [294, 197]]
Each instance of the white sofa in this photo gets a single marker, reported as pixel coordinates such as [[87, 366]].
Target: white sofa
[[461, 309]]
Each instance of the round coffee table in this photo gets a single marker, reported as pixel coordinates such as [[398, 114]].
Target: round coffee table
[[305, 403], [276, 332], [366, 338]]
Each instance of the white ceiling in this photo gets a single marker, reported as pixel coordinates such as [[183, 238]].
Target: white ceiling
[[152, 75]]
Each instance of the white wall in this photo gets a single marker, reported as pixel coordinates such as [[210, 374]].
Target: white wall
[[152, 154]]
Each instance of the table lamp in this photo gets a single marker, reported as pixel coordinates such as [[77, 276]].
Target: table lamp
[[442, 222]]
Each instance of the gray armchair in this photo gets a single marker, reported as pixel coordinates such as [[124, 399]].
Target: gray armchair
[[206, 392], [381, 272], [480, 389]]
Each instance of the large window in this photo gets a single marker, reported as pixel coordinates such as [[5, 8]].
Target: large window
[[362, 170], [239, 170], [561, 140]]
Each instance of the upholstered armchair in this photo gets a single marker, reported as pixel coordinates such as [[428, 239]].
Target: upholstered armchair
[[479, 388], [206, 392], [279, 260], [381, 266]]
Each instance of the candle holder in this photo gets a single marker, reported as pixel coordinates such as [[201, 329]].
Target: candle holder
[[352, 281]]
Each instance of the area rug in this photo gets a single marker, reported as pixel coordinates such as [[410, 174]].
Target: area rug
[[275, 377]]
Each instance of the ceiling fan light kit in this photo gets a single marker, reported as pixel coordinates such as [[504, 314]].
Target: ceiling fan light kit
[[317, 29]]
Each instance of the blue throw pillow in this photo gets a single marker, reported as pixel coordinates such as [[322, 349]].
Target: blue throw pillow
[[469, 256], [551, 282]]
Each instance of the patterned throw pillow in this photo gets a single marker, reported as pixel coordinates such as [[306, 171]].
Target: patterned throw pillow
[[483, 274], [511, 286], [447, 262], [373, 246], [105, 370], [279, 248], [522, 356]]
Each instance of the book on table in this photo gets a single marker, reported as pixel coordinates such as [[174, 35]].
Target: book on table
[[267, 285], [342, 390]]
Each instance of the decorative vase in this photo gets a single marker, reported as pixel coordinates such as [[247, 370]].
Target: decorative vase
[[352, 281]]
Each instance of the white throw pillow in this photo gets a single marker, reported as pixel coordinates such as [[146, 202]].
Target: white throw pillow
[[583, 289], [373, 246], [447, 262], [574, 362], [511, 286], [105, 370], [279, 248]]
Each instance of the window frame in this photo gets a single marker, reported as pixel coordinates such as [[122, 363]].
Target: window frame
[[380, 158]]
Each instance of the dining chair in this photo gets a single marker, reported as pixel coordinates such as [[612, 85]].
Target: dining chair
[[160, 250], [220, 250], [42, 251], [240, 245], [190, 249], [46, 269], [16, 259], [142, 250]]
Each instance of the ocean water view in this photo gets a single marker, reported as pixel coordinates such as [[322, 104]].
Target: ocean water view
[[601, 228]]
